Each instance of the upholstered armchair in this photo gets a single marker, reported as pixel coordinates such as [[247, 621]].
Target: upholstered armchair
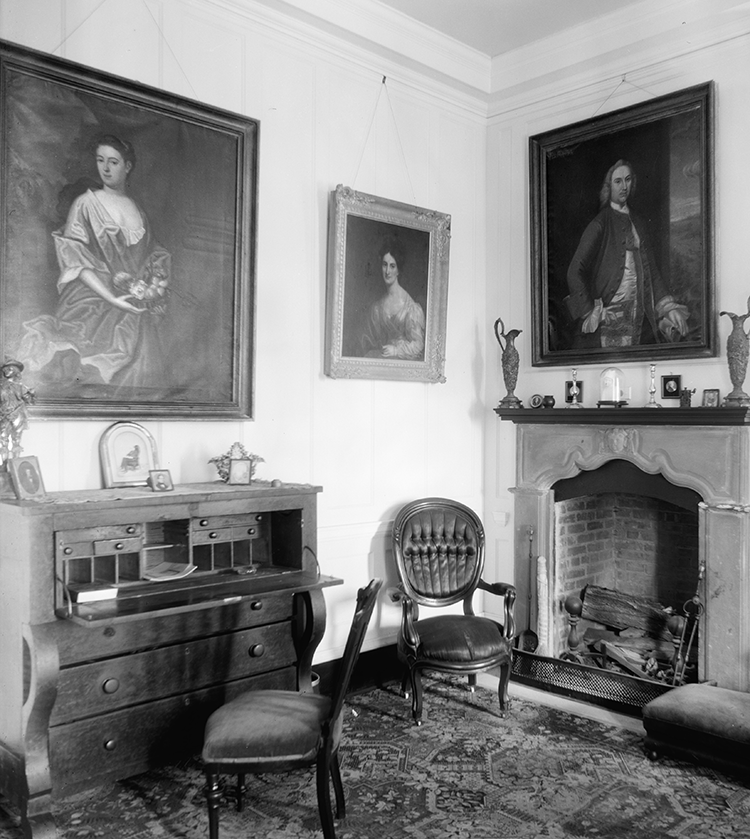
[[439, 545]]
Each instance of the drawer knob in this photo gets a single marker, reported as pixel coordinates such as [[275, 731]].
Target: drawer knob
[[213, 534], [256, 605], [251, 530], [119, 546], [257, 650], [130, 530], [259, 517], [110, 745], [67, 551], [111, 685], [203, 522]]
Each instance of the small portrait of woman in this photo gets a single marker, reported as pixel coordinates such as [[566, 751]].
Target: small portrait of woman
[[395, 323], [386, 291]]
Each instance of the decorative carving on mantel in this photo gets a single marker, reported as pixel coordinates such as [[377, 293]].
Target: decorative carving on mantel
[[618, 440]]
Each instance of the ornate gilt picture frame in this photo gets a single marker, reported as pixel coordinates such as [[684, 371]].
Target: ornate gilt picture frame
[[387, 289]]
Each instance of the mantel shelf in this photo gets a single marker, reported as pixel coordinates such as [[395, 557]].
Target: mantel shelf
[[626, 416]]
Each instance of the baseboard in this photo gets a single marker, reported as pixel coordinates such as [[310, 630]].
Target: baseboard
[[374, 668]]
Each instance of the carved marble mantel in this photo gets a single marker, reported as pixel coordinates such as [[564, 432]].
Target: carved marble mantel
[[706, 450]]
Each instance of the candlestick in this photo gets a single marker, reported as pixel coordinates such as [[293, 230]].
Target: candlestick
[[652, 403], [574, 390]]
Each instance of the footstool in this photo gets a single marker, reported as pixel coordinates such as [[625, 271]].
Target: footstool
[[702, 723]]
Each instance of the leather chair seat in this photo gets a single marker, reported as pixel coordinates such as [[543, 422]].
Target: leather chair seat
[[270, 724], [460, 638]]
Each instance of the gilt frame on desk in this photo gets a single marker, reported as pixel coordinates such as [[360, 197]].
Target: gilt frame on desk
[[145, 307], [364, 340], [582, 310]]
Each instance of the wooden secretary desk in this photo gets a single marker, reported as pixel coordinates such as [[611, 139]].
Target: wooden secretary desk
[[127, 616]]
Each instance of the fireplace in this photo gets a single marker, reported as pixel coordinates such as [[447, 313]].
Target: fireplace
[[622, 529], [689, 468]]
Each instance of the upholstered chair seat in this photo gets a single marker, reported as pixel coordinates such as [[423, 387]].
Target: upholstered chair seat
[[268, 727], [439, 546], [460, 638]]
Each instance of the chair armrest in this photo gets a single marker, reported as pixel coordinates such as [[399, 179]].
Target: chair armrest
[[409, 615], [508, 593], [501, 589]]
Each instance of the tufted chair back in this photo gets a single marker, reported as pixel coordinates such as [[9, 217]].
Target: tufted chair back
[[439, 551]]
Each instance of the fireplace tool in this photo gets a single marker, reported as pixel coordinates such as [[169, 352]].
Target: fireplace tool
[[528, 640], [679, 625]]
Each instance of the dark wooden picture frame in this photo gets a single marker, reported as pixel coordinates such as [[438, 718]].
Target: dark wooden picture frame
[[182, 254], [579, 244], [671, 387], [363, 340]]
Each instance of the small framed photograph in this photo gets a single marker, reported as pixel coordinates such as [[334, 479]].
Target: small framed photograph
[[128, 455], [240, 471], [569, 389], [710, 398], [671, 387], [26, 477], [160, 480]]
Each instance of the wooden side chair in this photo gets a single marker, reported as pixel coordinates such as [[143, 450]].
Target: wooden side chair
[[439, 549], [278, 730]]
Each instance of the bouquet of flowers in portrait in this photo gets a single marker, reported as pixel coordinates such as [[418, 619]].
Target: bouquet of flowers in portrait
[[149, 288]]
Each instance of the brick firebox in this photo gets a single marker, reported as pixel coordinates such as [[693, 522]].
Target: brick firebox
[[701, 451]]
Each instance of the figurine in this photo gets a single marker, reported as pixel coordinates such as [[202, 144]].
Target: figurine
[[15, 398]]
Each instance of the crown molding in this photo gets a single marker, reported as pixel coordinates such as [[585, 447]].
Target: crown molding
[[384, 31]]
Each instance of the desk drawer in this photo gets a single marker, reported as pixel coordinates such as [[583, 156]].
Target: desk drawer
[[104, 686], [116, 745], [81, 644]]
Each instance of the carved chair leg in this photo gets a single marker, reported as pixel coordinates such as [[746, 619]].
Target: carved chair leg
[[240, 791], [416, 701], [338, 787], [322, 773], [406, 683], [502, 688], [213, 797]]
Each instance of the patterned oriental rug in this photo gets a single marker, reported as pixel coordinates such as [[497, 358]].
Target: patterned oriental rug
[[464, 774]]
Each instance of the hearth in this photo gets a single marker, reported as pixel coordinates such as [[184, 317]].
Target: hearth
[[698, 457]]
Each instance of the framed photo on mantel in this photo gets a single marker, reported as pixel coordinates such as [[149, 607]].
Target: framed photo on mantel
[[622, 234], [127, 250]]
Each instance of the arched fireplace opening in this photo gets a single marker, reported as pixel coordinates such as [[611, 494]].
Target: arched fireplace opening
[[629, 539]]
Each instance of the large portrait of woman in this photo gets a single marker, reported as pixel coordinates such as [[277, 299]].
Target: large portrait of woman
[[387, 289], [622, 215], [127, 280]]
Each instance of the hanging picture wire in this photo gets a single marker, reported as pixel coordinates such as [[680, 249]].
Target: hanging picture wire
[[384, 87]]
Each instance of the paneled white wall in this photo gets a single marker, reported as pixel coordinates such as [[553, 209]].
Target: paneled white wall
[[372, 445]]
